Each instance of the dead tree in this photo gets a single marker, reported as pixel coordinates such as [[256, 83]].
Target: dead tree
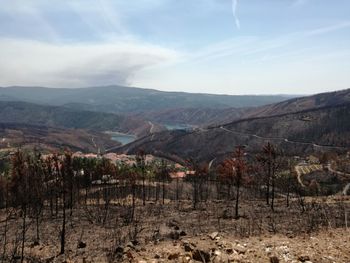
[[271, 162], [20, 190], [233, 171], [141, 165]]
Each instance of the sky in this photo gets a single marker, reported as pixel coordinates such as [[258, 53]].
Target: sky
[[207, 46]]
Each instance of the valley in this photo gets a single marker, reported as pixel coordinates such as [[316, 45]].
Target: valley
[[189, 184]]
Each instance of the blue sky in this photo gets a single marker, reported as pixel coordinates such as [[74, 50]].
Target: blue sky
[[211, 46]]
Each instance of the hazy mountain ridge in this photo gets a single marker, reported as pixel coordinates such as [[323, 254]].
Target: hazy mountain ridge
[[128, 99]]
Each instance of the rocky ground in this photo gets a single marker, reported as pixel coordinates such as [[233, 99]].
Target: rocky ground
[[326, 246], [177, 233]]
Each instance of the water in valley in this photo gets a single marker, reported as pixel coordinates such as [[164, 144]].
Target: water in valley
[[123, 138]]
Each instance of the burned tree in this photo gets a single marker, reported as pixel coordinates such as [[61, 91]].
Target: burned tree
[[233, 171], [270, 160]]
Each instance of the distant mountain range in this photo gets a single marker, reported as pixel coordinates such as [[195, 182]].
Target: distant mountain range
[[119, 99], [299, 125]]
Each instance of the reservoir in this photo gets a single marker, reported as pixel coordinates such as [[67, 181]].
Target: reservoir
[[123, 138]]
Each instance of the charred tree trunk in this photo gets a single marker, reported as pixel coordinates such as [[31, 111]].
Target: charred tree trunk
[[23, 230]]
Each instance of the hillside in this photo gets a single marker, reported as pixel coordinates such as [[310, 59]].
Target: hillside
[[117, 99], [302, 103], [194, 116], [210, 116], [27, 136], [54, 116], [296, 133]]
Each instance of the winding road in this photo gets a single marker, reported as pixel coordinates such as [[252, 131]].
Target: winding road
[[151, 130], [282, 139]]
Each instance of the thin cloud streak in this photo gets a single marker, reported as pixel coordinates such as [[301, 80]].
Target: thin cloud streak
[[253, 45], [235, 16]]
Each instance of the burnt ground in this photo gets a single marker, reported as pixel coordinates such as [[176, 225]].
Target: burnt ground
[[310, 230]]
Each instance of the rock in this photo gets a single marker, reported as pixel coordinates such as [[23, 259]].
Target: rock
[[274, 259], [290, 234], [304, 258], [183, 233], [173, 256], [138, 248], [35, 244], [135, 242], [213, 235], [235, 258], [218, 257], [229, 250], [130, 245], [174, 224], [119, 250], [240, 249], [175, 235], [189, 247], [81, 244], [201, 256]]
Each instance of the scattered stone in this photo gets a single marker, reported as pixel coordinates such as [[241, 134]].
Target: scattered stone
[[304, 258], [119, 250], [138, 248], [189, 247], [183, 233], [174, 224], [175, 235], [235, 258], [201, 256], [229, 250], [35, 244], [173, 256], [240, 249], [290, 235], [274, 259], [214, 235], [81, 244], [135, 242]]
